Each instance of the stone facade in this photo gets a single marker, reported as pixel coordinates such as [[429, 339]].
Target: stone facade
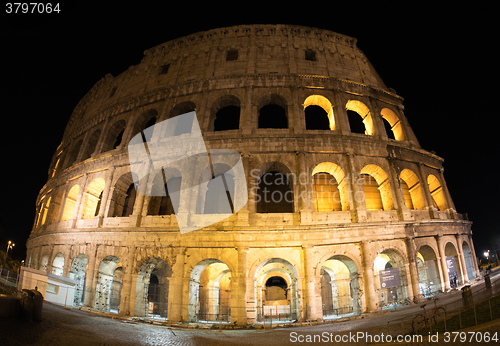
[[363, 205]]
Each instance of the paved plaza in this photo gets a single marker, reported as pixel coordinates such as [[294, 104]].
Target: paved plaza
[[74, 327]]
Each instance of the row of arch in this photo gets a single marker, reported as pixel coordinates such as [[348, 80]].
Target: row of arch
[[276, 286], [225, 115], [273, 192]]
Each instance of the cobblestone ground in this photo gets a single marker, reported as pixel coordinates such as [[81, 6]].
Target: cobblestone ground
[[74, 327]]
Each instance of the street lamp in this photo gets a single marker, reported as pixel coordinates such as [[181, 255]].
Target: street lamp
[[10, 245], [487, 255]]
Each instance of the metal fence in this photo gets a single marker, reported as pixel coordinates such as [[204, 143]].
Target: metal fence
[[8, 280], [460, 313]]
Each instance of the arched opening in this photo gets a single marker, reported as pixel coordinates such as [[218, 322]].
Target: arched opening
[[79, 273], [275, 193], [93, 197], [151, 292], [429, 281], [143, 122], [390, 278], [412, 190], [227, 118], [388, 129], [128, 203], [73, 154], [225, 114], [181, 125], [326, 193], [340, 287], [220, 195], [277, 291], [333, 186], [316, 118], [453, 265], [55, 206], [373, 199], [123, 199], [210, 292], [58, 264], [393, 126], [376, 188], [91, 144], [469, 263], [165, 197], [318, 113], [355, 110], [109, 285], [272, 112], [220, 189], [436, 192], [70, 203], [114, 136]]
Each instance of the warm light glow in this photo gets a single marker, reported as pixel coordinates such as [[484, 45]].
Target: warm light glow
[[323, 102], [92, 198], [393, 120], [414, 198], [377, 188], [364, 112], [436, 192], [338, 174], [70, 203], [380, 262]]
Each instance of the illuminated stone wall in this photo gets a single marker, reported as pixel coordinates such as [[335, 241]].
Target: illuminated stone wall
[[309, 87]]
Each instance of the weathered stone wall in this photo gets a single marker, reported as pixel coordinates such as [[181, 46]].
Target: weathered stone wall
[[104, 223]]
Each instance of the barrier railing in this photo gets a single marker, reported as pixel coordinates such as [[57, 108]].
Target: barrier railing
[[481, 308]]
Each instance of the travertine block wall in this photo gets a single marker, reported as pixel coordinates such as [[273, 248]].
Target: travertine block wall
[[88, 213]]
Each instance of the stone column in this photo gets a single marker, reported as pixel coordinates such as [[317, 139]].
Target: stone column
[[105, 194], [61, 206], [355, 192], [246, 120], [461, 259], [427, 193], [243, 213], [238, 290], [135, 218], [91, 253], [67, 262], [312, 291], [127, 294], [446, 278], [378, 123], [412, 268], [302, 190], [340, 114], [79, 205], [371, 299], [175, 283], [403, 211], [102, 139], [50, 260]]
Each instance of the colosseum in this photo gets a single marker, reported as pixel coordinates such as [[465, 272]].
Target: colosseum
[[346, 213]]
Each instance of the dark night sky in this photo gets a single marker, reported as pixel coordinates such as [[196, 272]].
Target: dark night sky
[[443, 60]]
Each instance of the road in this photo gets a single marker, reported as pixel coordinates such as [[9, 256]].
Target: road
[[74, 327]]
